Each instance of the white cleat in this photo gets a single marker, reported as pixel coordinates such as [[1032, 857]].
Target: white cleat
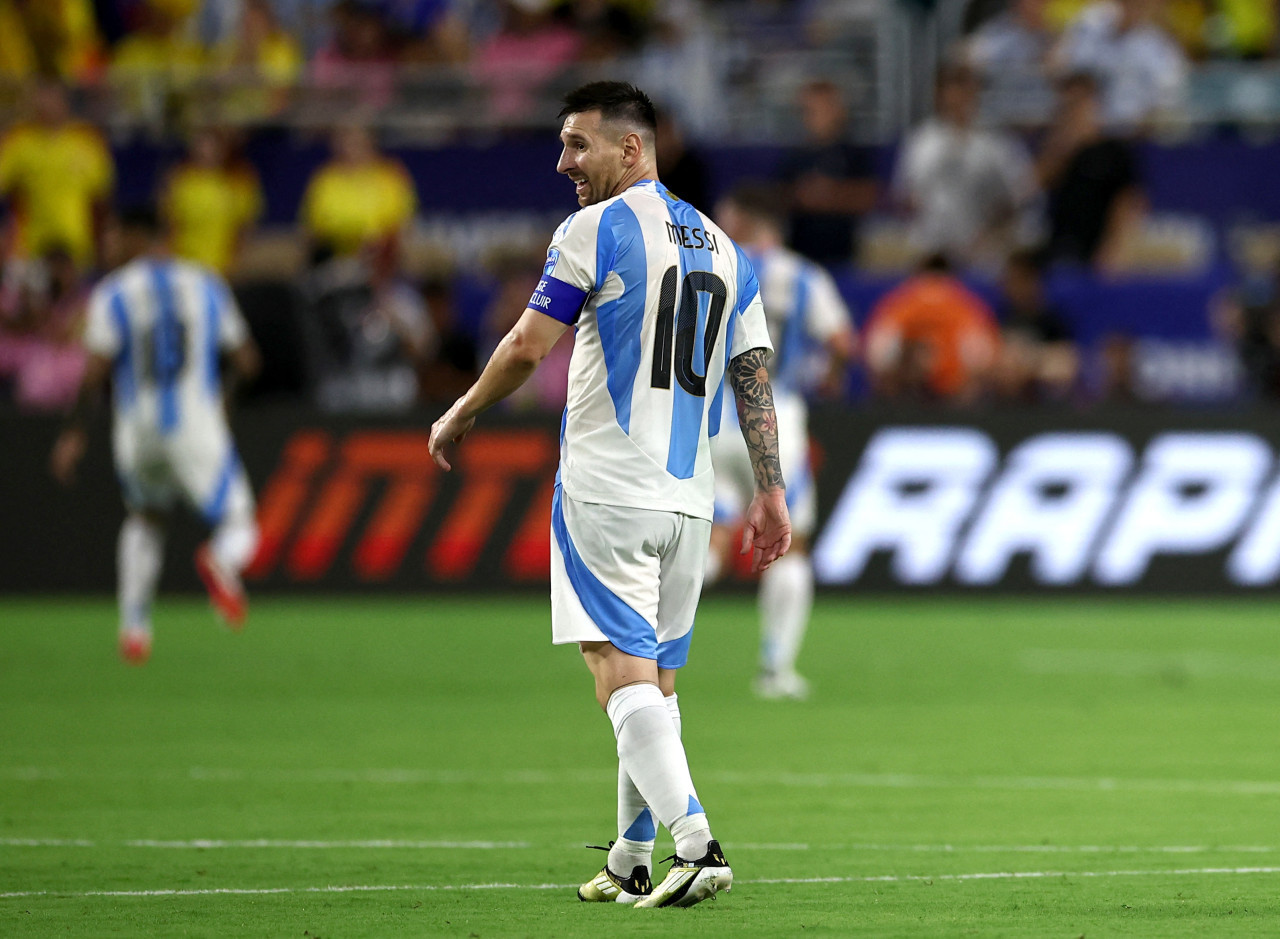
[[775, 686], [690, 882], [608, 887]]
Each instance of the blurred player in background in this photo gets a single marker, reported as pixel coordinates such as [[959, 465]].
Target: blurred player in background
[[664, 305], [157, 327], [813, 341]]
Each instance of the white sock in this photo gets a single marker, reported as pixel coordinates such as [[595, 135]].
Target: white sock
[[786, 599], [650, 752], [139, 552], [713, 570], [636, 828], [234, 542]]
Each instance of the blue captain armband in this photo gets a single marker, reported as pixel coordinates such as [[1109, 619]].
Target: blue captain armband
[[558, 300]]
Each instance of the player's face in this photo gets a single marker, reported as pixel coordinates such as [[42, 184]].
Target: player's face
[[592, 157]]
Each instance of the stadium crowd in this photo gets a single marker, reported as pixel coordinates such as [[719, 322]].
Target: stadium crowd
[[1027, 165]]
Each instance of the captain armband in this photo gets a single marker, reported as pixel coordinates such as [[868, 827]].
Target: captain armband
[[557, 299]]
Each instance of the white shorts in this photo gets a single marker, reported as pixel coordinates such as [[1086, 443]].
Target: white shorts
[[735, 481], [627, 576], [202, 469]]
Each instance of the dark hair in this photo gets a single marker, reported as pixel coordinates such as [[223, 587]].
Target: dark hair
[[141, 217], [616, 101], [759, 199]]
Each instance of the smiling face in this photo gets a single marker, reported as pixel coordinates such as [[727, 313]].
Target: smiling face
[[601, 158]]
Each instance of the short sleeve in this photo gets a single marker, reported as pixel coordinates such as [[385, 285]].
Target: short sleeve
[[751, 331], [825, 312], [571, 258], [101, 331], [569, 274], [232, 331]]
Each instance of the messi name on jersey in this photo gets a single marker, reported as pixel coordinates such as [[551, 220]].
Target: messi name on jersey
[[687, 236]]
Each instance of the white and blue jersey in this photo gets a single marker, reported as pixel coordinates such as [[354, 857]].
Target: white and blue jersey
[[804, 311], [163, 325], [662, 300]]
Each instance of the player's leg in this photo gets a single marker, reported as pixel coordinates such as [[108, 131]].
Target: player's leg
[[604, 586], [734, 484], [786, 588], [148, 492], [786, 603], [139, 558], [216, 483], [699, 870]]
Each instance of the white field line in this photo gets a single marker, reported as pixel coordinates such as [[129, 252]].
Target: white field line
[[208, 843], [1238, 787], [382, 843], [883, 878]]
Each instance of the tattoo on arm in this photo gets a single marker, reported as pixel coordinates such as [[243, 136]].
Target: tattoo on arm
[[749, 379]]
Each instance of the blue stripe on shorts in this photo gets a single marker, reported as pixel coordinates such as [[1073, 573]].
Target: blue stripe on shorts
[[622, 626]]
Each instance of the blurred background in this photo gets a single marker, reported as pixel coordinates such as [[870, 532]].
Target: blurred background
[[1056, 224]]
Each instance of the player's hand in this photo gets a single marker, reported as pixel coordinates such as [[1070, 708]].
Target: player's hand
[[451, 427], [67, 453], [767, 528]]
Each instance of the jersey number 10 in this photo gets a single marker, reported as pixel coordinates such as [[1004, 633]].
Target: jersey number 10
[[684, 325]]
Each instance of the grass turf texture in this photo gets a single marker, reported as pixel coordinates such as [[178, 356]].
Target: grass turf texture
[[1120, 755]]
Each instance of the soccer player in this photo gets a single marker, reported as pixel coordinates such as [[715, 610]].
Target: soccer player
[[813, 340], [157, 327], [664, 304]]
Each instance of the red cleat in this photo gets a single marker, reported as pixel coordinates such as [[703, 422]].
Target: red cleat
[[135, 646], [225, 590]]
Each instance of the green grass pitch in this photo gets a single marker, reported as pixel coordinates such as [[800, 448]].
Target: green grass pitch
[[433, 766]]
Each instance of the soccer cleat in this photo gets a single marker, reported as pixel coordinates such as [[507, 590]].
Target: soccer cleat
[[608, 887], [690, 882], [773, 686], [135, 646], [225, 590]]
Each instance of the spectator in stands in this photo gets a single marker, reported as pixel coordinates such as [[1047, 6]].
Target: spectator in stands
[[681, 168], [359, 59], [1039, 359], [427, 31], [530, 48], [1141, 70], [453, 367], [210, 200], [1248, 316], [607, 29], [160, 49], [42, 303], [970, 193], [359, 202], [1096, 205], [261, 60], [830, 182], [57, 176], [57, 38], [931, 338], [1010, 53], [516, 272]]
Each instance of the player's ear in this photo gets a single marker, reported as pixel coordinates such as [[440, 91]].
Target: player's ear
[[632, 149]]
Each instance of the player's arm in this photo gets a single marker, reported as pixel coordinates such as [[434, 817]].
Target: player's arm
[[767, 528], [74, 439], [244, 362], [518, 354]]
